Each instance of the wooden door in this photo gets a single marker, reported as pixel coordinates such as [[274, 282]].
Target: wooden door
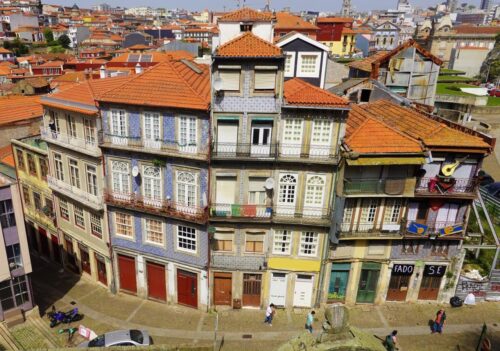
[[55, 248], [85, 260], [157, 285], [251, 289], [398, 287], [222, 289], [44, 243], [70, 255], [126, 267], [367, 286], [187, 288], [101, 269], [429, 288]]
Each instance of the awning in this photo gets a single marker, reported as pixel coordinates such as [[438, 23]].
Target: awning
[[378, 161]]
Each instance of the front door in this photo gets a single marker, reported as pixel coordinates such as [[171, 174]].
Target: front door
[[126, 267], [187, 288], [261, 139], [251, 289], [277, 294], [55, 248], [398, 287], [429, 288], [101, 269], [368, 283], [85, 260], [302, 295], [157, 285], [222, 289], [44, 242], [338, 284]]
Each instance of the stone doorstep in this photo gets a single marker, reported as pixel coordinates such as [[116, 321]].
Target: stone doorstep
[[6, 339], [14, 317]]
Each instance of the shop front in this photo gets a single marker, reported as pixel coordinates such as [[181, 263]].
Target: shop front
[[431, 282], [400, 281]]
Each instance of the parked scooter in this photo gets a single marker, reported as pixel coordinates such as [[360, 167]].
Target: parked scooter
[[58, 317]]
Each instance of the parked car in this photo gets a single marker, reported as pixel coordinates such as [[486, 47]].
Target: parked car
[[494, 92], [493, 189], [130, 337]]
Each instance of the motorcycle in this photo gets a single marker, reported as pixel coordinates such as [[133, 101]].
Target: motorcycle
[[58, 317]]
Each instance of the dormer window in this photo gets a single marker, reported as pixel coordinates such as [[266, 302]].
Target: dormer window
[[245, 27]]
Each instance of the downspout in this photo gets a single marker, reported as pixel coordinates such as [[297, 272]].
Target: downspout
[[209, 174]]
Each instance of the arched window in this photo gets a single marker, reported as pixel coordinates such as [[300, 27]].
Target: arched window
[[120, 176], [152, 182], [288, 189], [186, 188], [315, 188]]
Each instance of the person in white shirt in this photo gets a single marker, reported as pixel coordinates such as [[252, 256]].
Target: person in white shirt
[[269, 314]]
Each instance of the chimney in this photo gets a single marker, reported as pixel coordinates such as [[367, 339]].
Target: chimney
[[102, 72], [138, 69]]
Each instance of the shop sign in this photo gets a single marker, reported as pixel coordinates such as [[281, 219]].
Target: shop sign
[[434, 271], [403, 269]]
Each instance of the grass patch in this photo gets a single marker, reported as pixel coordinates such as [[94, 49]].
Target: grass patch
[[29, 338], [493, 101], [453, 89], [446, 71], [453, 79]]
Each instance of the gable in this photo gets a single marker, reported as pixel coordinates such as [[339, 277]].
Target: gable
[[300, 45]]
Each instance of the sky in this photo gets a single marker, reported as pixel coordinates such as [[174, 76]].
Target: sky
[[296, 5]]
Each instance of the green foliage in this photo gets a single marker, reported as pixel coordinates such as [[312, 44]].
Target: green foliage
[[48, 35], [57, 49], [16, 46], [64, 41]]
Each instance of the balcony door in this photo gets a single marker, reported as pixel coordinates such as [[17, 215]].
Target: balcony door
[[186, 192], [292, 137], [152, 130], [287, 194], [120, 174], [447, 215], [315, 195], [261, 139], [225, 195], [118, 128], [152, 186], [321, 138], [227, 138], [368, 215]]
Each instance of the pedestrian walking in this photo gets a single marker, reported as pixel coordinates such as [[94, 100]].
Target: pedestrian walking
[[391, 341], [309, 321], [437, 327], [270, 311]]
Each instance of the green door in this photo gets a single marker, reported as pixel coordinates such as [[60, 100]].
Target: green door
[[338, 282], [368, 282]]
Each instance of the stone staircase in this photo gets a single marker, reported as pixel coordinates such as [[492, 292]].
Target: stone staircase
[[43, 327], [6, 339]]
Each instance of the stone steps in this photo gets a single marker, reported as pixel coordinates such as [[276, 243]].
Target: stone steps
[[6, 339], [45, 330]]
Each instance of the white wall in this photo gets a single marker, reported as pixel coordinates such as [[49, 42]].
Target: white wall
[[229, 31]]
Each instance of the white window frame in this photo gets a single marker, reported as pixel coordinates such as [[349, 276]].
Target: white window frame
[[74, 173], [189, 241], [188, 141], [155, 183], [71, 126], [95, 224], [305, 244], [121, 177], [293, 57], [64, 207], [79, 212], [89, 131], [311, 191], [279, 243], [314, 74], [58, 166], [185, 188], [285, 189], [92, 187], [147, 230], [119, 127], [131, 225], [152, 134]]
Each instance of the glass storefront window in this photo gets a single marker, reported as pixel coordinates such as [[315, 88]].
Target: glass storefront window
[[6, 298]]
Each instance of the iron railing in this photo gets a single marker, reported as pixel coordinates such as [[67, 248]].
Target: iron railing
[[383, 186], [88, 144], [446, 186], [437, 227], [370, 227]]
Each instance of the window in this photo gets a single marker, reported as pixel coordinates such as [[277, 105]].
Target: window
[[92, 180], [308, 244], [282, 242], [154, 232], [315, 188], [350, 205], [71, 124], [118, 123], [308, 65], [186, 188], [20, 160], [265, 80], [120, 174], [292, 132], [74, 173], [289, 64], [37, 200], [49, 207], [152, 128], [256, 191], [89, 130], [31, 165], [369, 210], [230, 80], [44, 168], [20, 290], [409, 247], [287, 189], [79, 217], [152, 182], [223, 242], [64, 209], [14, 256], [392, 211], [58, 167], [321, 132], [95, 225], [186, 239], [6, 296], [440, 248], [123, 224], [187, 131], [245, 27], [26, 195], [254, 243]]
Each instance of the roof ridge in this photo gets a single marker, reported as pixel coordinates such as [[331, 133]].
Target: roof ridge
[[185, 81], [244, 35]]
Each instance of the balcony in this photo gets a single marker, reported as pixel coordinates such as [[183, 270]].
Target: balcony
[[270, 214], [451, 229], [39, 217], [447, 187], [75, 193], [370, 230], [377, 187], [88, 147], [158, 207], [157, 147], [275, 152]]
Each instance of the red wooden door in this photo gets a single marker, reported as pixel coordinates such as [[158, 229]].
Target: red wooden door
[[398, 288], [429, 288], [55, 248], [222, 289], [187, 288], [101, 269], [251, 289], [126, 266], [85, 260], [157, 285]]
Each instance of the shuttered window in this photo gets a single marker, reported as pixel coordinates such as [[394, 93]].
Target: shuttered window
[[265, 80], [230, 80]]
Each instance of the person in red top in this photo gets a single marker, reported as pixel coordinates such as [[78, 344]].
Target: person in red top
[[439, 322]]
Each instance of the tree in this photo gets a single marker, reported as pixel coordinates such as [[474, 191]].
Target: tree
[[16, 46], [64, 41], [471, 7], [49, 36]]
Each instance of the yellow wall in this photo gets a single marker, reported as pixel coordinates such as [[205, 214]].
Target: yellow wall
[[337, 47], [294, 264]]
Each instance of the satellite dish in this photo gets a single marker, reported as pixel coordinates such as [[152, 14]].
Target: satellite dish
[[135, 171], [217, 84], [269, 185]]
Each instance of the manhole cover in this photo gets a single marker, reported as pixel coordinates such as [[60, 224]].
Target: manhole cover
[[247, 336]]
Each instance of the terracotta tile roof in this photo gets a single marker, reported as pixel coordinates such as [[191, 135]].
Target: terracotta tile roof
[[246, 14], [366, 63], [139, 47], [431, 132], [6, 156], [15, 108], [5, 51], [248, 45], [285, 20], [299, 92], [156, 56], [51, 64], [334, 19], [178, 84], [4, 70], [468, 29]]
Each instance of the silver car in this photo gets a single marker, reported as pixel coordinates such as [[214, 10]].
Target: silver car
[[130, 337]]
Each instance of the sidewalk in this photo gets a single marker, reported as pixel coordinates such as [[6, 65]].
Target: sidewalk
[[171, 323]]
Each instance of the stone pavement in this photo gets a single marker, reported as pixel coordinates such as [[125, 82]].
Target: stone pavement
[[104, 311]]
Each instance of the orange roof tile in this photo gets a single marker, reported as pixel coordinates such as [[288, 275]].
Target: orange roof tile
[[178, 84], [5, 51], [366, 63], [6, 156], [334, 19], [248, 45], [299, 92], [285, 20], [14, 108], [246, 14], [468, 29]]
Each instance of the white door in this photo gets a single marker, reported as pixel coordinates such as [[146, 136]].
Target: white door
[[287, 194], [152, 130], [120, 178], [321, 138], [119, 128], [315, 193], [261, 140], [188, 134], [227, 138], [447, 215], [302, 295], [186, 192], [431, 170], [292, 137], [151, 180], [225, 195], [277, 294]]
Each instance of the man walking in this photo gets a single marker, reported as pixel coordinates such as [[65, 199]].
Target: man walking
[[437, 327], [309, 321], [269, 314]]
